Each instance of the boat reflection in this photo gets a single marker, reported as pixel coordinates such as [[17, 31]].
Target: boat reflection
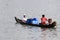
[[37, 33], [48, 33]]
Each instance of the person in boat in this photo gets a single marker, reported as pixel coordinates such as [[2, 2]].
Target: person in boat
[[43, 20], [24, 18], [49, 21]]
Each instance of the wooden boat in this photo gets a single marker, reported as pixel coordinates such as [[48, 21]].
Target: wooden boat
[[37, 25]]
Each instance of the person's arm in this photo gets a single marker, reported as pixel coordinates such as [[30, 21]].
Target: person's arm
[[46, 19]]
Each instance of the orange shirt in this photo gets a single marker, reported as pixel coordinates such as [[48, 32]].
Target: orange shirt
[[43, 20]]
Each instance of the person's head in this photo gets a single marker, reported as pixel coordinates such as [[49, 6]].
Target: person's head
[[43, 15], [49, 20], [24, 15]]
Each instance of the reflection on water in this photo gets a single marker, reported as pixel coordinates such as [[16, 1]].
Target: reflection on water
[[49, 33], [36, 33]]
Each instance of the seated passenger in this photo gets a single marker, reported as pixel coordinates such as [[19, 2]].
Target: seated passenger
[[24, 18], [43, 20], [51, 24], [49, 21]]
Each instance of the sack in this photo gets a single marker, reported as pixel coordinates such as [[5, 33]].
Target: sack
[[34, 22], [34, 18], [29, 21]]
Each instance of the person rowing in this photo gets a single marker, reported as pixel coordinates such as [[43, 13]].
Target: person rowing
[[43, 20]]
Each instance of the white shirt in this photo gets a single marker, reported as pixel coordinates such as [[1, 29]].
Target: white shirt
[[25, 19]]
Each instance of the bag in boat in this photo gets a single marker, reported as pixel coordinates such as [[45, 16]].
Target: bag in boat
[[29, 21], [34, 21]]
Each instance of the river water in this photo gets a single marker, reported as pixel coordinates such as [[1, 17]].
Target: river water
[[32, 8]]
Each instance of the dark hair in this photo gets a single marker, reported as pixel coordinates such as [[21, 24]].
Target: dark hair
[[49, 19], [24, 16], [43, 15]]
